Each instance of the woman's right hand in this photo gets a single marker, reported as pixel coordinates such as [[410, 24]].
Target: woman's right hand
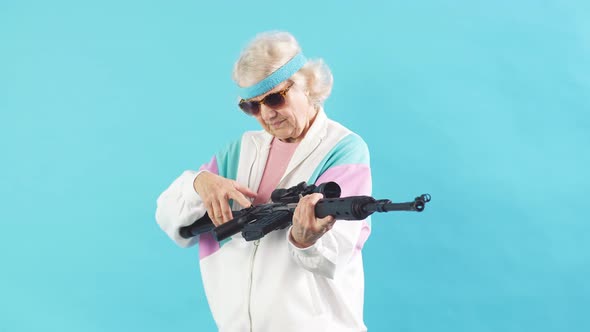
[[215, 191]]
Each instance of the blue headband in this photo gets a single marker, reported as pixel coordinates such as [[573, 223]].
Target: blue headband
[[277, 77]]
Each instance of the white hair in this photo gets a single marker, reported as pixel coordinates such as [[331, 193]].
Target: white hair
[[271, 50]]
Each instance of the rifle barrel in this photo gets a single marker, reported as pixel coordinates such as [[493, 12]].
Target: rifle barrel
[[386, 205]]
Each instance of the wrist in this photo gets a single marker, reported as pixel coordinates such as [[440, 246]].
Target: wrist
[[195, 182], [299, 244]]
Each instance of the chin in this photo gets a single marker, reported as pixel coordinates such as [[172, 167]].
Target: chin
[[280, 134]]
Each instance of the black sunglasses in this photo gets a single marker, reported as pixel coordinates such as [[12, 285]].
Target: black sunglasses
[[273, 100]]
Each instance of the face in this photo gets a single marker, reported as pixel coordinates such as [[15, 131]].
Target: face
[[288, 122]]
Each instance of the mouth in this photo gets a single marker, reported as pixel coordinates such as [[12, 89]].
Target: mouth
[[276, 123]]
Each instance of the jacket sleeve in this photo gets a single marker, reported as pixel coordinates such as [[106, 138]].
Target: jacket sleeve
[[180, 205], [349, 167]]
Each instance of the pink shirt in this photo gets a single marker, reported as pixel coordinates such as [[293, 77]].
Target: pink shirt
[[278, 159]]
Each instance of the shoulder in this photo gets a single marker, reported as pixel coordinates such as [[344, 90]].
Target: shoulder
[[351, 147]]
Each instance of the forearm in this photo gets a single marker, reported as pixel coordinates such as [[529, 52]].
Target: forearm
[[334, 249], [346, 238], [180, 205]]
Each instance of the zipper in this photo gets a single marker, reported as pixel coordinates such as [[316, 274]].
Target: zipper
[[250, 182], [251, 281]]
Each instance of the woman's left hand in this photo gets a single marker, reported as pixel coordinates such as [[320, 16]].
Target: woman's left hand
[[307, 229]]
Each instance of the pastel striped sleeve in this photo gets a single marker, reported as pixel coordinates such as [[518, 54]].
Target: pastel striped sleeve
[[347, 164], [180, 205], [227, 160], [224, 163]]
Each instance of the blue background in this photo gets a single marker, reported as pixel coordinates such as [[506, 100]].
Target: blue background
[[483, 104]]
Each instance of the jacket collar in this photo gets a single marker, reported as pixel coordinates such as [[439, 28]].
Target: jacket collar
[[314, 136]]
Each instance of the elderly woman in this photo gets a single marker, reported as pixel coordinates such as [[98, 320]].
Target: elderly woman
[[308, 277]]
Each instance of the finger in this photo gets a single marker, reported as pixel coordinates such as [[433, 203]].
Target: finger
[[302, 212], [210, 211], [326, 222], [245, 190], [238, 197], [217, 216], [314, 198], [225, 210], [309, 205]]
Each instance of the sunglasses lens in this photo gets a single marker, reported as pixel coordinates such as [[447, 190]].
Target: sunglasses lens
[[250, 107], [274, 100]]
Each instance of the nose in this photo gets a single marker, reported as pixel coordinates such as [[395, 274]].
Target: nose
[[267, 113]]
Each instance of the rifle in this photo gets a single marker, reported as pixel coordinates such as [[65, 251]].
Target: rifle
[[256, 221]]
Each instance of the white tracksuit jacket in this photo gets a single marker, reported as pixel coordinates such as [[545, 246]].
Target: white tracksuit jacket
[[269, 284]]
